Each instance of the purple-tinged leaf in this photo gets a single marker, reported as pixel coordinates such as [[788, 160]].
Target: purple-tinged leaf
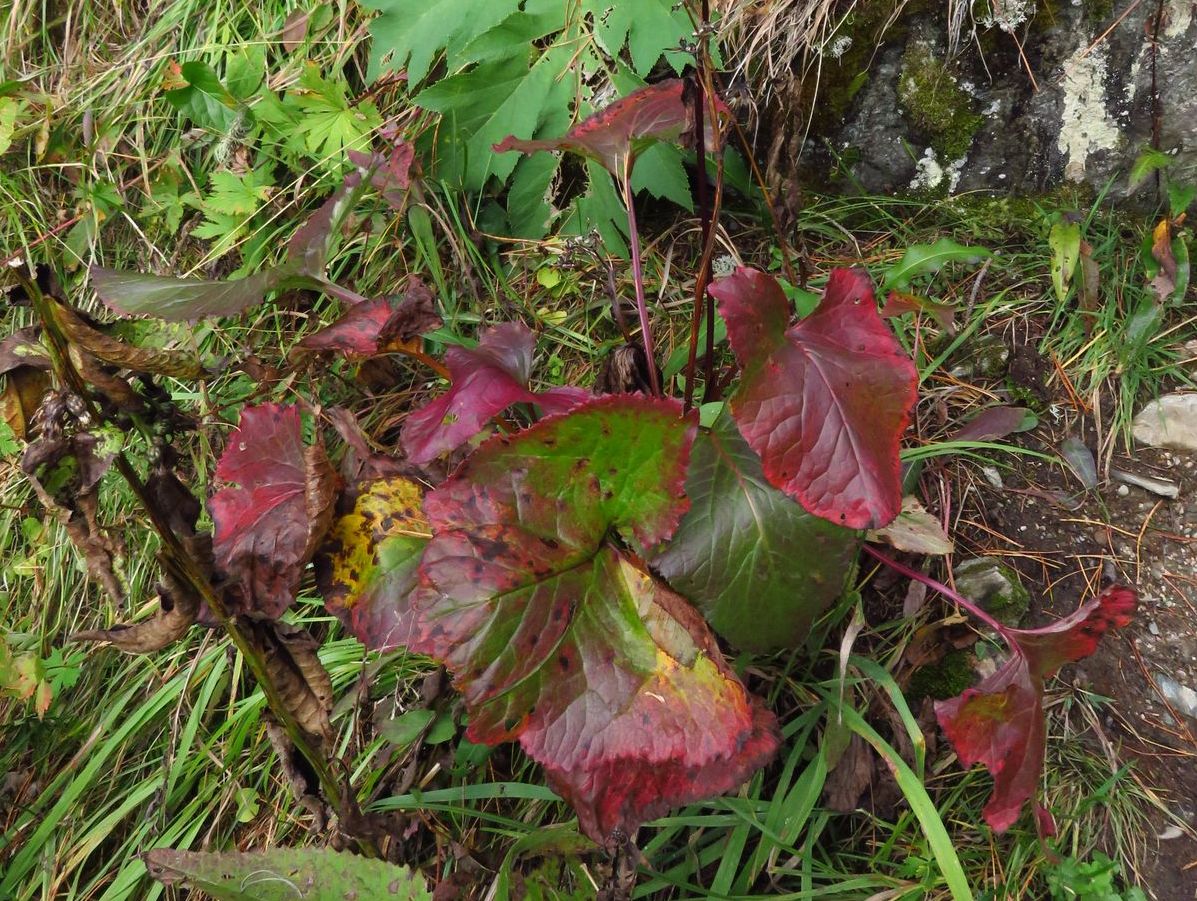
[[179, 299], [996, 422], [899, 302], [374, 327], [615, 135], [487, 380], [390, 172], [823, 403], [275, 508], [1000, 722], [757, 565], [561, 637]]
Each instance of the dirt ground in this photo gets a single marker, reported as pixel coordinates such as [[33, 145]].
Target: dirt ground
[[1066, 542]]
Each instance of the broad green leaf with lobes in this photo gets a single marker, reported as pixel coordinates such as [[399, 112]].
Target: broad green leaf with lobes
[[751, 559], [561, 637], [287, 874], [408, 34], [823, 403]]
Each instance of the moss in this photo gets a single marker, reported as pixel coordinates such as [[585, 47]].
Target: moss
[[936, 104], [942, 680]]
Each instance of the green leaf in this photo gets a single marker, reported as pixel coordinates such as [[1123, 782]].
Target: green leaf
[[1064, 239], [922, 259], [757, 565], [285, 874], [180, 299], [407, 727], [204, 100], [1148, 162], [326, 121], [648, 27], [9, 110], [1180, 198]]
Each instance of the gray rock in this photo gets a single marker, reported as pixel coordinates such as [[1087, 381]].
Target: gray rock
[[1168, 421], [995, 587], [1181, 697], [1081, 114]]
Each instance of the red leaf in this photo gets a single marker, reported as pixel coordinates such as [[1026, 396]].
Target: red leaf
[[1000, 722], [562, 638], [279, 505], [370, 328], [824, 402], [615, 135], [486, 381]]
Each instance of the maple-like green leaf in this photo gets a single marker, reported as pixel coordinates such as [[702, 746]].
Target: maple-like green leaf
[[557, 633], [327, 122], [759, 566]]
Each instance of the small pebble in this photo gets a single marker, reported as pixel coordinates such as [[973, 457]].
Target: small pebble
[[1123, 491], [1153, 628]]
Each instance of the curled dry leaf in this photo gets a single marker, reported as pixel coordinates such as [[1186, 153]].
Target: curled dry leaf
[[487, 380], [115, 352], [25, 367], [274, 509], [560, 637], [915, 531], [176, 614], [379, 326], [1000, 722], [302, 682], [823, 403]]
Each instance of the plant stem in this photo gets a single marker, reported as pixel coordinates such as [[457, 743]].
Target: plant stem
[[948, 593], [646, 335], [705, 218]]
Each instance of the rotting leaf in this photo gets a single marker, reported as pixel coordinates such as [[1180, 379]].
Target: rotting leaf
[[757, 565], [1000, 723], [615, 135], [487, 380], [275, 508], [899, 302], [915, 531], [824, 402], [559, 636], [379, 326], [367, 568], [89, 337], [285, 874], [176, 614], [302, 682]]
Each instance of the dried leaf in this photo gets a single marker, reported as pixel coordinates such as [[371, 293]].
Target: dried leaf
[[295, 29], [560, 637], [899, 302], [915, 531], [486, 381], [824, 402], [24, 389], [176, 364], [996, 422], [375, 326], [176, 614], [1000, 723], [275, 509], [303, 684]]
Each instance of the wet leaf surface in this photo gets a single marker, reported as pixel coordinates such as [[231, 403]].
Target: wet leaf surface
[[823, 403]]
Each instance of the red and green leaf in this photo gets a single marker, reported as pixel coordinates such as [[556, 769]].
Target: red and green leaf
[[1000, 723], [823, 403], [753, 561], [367, 568], [274, 509], [487, 380], [616, 134], [372, 327], [557, 633]]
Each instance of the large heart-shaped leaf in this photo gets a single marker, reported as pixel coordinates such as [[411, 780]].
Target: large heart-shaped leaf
[[367, 568], [824, 402], [616, 134], [275, 509], [1000, 722], [754, 562], [287, 874], [559, 636], [487, 380]]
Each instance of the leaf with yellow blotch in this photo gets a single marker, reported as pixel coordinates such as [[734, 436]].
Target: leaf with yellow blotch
[[367, 568]]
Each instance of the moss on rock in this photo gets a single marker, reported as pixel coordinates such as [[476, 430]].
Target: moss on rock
[[942, 680], [936, 104]]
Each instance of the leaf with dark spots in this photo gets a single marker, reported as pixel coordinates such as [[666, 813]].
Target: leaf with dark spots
[[275, 508], [823, 403], [303, 684], [90, 337], [1000, 723], [614, 136], [286, 874], [560, 637], [753, 561], [996, 422], [376, 326], [180, 299], [176, 614], [487, 380], [367, 567]]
